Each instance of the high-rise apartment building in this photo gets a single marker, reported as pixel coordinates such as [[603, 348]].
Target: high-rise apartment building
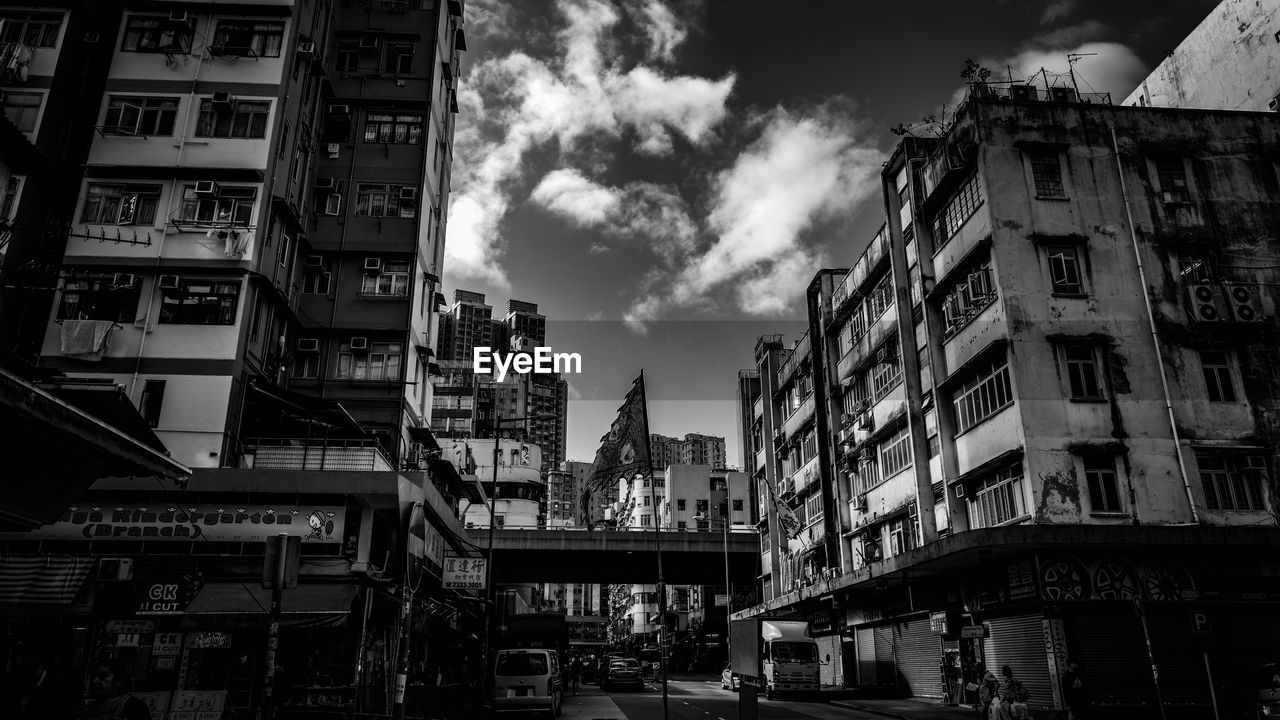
[[468, 324], [692, 449], [1035, 407]]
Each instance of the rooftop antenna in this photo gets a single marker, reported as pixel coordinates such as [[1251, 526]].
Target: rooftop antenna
[[1072, 58]]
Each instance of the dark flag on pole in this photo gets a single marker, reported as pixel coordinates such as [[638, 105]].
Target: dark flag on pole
[[624, 450]]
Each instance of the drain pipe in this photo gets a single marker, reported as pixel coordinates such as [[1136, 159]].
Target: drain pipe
[[1151, 323]]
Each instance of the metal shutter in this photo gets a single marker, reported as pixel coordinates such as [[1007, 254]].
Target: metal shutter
[[1179, 655], [885, 675], [1109, 645], [919, 658], [866, 657], [1248, 636], [1018, 642]]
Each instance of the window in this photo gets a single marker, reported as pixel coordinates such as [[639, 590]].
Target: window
[[1104, 491], [326, 198], [378, 200], [306, 365], [381, 362], [243, 37], [144, 116], [646, 501], [680, 504], [22, 108], [971, 295], [1171, 174], [243, 119], [200, 302], [348, 55], [37, 29], [120, 204], [9, 201], [1064, 270], [1232, 482], [984, 395], [1194, 269], [813, 508], [405, 128], [398, 58], [151, 401], [895, 453], [998, 498], [317, 275], [737, 505], [646, 520], [887, 370], [152, 34], [1046, 171], [902, 532], [1084, 374], [931, 431], [701, 507], [1216, 366], [960, 208], [881, 298], [97, 296], [228, 206], [392, 279], [868, 473]]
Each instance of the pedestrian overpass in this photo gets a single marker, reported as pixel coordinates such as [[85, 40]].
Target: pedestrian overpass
[[578, 555]]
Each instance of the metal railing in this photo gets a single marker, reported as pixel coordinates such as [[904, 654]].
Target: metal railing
[[315, 454]]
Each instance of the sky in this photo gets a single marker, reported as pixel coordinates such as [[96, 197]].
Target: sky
[[664, 178]]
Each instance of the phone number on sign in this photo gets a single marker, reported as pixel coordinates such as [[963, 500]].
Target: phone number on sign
[[464, 585]]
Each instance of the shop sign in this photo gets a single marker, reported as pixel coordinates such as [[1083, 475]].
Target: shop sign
[[165, 595], [974, 632], [722, 599], [141, 627], [166, 644], [215, 523], [938, 623], [197, 704], [462, 573], [208, 639]]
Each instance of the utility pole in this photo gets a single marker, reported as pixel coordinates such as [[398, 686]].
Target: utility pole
[[279, 565]]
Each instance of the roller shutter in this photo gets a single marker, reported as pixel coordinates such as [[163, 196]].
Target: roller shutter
[[829, 671], [885, 673], [1179, 654], [866, 641], [1018, 641], [919, 655], [1247, 637], [1109, 644]]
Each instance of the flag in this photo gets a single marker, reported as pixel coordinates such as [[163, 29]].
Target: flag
[[787, 519], [624, 450]]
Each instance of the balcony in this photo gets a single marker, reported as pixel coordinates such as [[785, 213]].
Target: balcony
[[796, 420], [310, 454], [808, 474]]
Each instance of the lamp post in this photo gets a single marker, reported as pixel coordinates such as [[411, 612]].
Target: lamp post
[[490, 590]]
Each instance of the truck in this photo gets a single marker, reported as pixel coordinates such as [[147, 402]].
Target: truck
[[778, 656]]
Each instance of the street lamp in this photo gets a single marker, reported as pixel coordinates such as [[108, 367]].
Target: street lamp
[[490, 590]]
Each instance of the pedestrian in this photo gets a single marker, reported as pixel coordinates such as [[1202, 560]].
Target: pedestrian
[[988, 690], [1013, 697], [109, 697], [575, 673], [1075, 691]]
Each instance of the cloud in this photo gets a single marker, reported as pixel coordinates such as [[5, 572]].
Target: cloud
[[570, 195], [517, 104], [596, 248], [1107, 66], [1057, 10]]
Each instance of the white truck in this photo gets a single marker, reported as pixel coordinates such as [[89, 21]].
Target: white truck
[[776, 655]]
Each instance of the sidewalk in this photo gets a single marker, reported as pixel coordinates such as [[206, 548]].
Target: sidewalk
[[590, 703], [908, 709]]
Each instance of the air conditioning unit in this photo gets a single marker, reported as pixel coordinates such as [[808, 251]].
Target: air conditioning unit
[[170, 282], [860, 503], [206, 187], [416, 451], [847, 418], [960, 491], [867, 421], [315, 261], [368, 42], [115, 569], [1205, 303], [862, 406], [359, 343], [307, 48], [308, 345], [1246, 306], [372, 263], [325, 183], [122, 280], [180, 17], [334, 149], [339, 111], [1024, 92]]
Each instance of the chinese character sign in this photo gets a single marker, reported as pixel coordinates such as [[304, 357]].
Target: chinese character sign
[[463, 573]]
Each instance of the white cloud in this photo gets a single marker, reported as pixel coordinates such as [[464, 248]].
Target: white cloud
[[569, 194], [653, 104], [1057, 10], [662, 28], [1106, 67]]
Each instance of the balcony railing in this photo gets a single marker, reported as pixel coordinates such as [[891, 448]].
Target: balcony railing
[[309, 454]]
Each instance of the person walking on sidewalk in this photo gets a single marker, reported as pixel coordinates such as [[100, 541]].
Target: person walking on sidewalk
[[988, 690], [1075, 691], [1012, 704], [575, 673]]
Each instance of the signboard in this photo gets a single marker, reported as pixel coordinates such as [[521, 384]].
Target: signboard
[[166, 644], [974, 632], [1200, 623], [938, 623], [722, 599], [141, 627], [214, 522], [461, 573], [165, 595], [208, 639], [197, 704]]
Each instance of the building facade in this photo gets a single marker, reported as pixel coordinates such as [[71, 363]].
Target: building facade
[[1036, 390], [692, 449]]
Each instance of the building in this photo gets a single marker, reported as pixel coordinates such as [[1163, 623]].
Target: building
[[252, 252], [468, 324], [692, 449], [521, 485], [563, 495], [1003, 431], [1228, 62]]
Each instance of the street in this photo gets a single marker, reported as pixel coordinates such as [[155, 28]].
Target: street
[[690, 699]]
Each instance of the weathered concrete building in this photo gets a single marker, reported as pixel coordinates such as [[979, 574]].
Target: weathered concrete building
[[1049, 400], [1230, 61]]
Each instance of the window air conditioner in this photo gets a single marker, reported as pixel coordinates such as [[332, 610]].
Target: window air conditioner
[[123, 280], [315, 261], [222, 101], [359, 343], [180, 17], [206, 187], [308, 345], [368, 42], [334, 149], [324, 183], [372, 263], [170, 282], [860, 502], [307, 48]]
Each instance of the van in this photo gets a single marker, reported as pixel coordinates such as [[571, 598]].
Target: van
[[527, 681]]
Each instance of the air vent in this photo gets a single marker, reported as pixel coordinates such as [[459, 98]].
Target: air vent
[[170, 282], [1205, 303]]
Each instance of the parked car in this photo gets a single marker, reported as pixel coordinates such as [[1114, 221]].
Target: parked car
[[528, 681], [624, 672], [729, 680], [1268, 687]]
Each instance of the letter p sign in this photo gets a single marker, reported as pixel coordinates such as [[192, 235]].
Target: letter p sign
[[1200, 623]]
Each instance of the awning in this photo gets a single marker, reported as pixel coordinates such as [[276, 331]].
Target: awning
[[425, 436], [306, 407], [42, 580], [250, 598]]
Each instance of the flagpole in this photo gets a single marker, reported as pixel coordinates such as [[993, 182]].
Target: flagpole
[[657, 543]]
